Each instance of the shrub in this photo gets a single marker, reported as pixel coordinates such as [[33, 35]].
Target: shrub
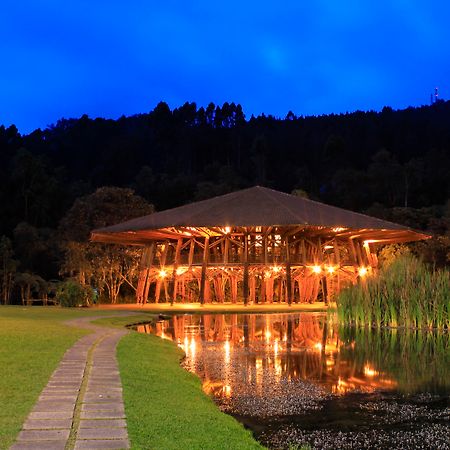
[[71, 293]]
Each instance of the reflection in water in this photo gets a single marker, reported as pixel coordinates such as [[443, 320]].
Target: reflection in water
[[296, 378], [273, 347]]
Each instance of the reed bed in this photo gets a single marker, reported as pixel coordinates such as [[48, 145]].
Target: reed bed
[[406, 294]]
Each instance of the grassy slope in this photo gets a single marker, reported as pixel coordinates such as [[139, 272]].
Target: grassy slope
[[165, 405], [32, 342]]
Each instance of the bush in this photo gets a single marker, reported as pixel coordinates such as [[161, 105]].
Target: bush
[[71, 293]]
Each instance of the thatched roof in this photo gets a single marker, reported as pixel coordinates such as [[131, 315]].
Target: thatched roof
[[256, 206]]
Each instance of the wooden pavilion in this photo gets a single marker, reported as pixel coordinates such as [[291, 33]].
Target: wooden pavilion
[[256, 245]]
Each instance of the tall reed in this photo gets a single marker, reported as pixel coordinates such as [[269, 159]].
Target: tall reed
[[405, 294]]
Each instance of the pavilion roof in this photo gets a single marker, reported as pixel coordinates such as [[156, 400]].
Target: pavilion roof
[[253, 207]]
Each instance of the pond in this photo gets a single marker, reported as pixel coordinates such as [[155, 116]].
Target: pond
[[299, 378]]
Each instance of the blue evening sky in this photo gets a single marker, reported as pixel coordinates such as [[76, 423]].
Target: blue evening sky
[[108, 57]]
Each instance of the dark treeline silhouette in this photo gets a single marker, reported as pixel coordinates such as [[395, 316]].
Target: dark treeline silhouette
[[391, 164]]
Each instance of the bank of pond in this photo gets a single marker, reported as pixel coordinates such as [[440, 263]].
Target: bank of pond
[[301, 379]]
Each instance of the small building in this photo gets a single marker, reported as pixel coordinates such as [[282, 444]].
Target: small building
[[256, 245]]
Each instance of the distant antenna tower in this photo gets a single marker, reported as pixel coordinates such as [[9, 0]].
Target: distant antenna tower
[[436, 94]]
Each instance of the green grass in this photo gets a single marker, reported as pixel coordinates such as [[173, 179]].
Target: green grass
[[165, 405], [32, 342], [406, 294]]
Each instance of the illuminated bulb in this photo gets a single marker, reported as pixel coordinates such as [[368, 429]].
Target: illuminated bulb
[[330, 269], [266, 274], [318, 346], [180, 271], [162, 273], [227, 230], [268, 334], [362, 271], [276, 269], [317, 269]]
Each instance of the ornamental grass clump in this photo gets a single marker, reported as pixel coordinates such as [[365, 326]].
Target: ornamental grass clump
[[406, 294]]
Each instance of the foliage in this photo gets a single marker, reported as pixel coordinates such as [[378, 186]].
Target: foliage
[[106, 267], [407, 294], [71, 293], [392, 164], [163, 401], [7, 269], [30, 285], [390, 253]]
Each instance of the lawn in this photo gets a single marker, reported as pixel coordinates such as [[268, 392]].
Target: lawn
[[165, 405], [32, 342]]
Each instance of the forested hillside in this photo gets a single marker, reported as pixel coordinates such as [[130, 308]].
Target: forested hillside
[[392, 164]]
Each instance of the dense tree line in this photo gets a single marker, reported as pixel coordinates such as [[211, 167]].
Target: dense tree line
[[391, 164]]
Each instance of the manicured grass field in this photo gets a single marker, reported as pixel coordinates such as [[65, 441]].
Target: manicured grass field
[[32, 342], [165, 405]]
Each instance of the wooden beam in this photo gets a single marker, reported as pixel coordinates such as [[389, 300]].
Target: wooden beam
[[145, 266], [245, 263], [288, 273], [176, 263], [204, 267]]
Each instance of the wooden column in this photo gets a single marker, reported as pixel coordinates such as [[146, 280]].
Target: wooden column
[[245, 262], [176, 262], [144, 274], [325, 290], [288, 274], [204, 267]]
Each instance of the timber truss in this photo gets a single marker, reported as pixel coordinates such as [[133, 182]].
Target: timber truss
[[255, 264]]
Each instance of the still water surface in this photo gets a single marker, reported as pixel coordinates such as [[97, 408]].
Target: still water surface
[[298, 378]]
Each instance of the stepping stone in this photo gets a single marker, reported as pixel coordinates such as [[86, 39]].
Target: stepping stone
[[101, 422], [102, 444]]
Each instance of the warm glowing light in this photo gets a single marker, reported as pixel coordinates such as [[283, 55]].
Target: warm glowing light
[[275, 347], [162, 274], [227, 390], [328, 247], [181, 270], [227, 230], [330, 269], [285, 338], [369, 372], [185, 345], [317, 269], [192, 347], [318, 346], [268, 334], [267, 274], [362, 271], [276, 269], [226, 347], [337, 229]]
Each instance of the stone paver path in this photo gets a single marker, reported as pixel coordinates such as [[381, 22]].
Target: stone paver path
[[81, 407]]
